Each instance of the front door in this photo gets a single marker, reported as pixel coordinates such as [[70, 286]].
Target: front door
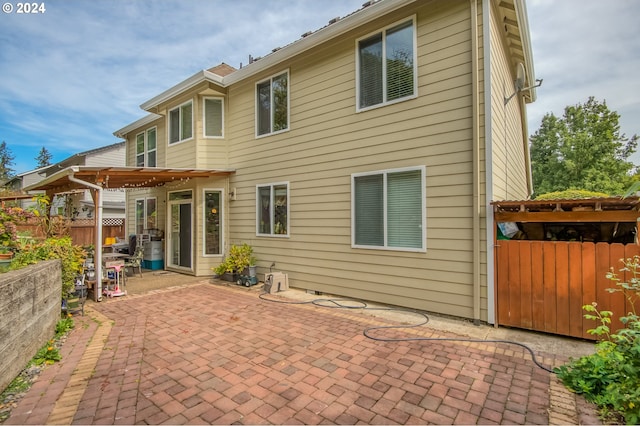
[[181, 225]]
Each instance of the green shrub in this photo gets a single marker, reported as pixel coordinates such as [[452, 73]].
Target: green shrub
[[71, 256], [610, 377]]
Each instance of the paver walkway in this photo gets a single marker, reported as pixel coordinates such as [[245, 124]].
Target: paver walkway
[[209, 354]]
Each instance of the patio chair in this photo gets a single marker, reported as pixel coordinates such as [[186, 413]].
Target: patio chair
[[135, 261]]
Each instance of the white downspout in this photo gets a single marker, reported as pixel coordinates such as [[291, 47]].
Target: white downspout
[[98, 242], [475, 111], [488, 161]]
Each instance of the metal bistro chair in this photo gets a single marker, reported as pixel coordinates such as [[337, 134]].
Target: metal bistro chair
[[135, 261]]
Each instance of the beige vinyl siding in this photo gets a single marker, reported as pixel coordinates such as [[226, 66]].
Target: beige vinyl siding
[[328, 141], [508, 140]]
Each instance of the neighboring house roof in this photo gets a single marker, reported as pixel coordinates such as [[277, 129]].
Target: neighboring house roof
[[79, 158]]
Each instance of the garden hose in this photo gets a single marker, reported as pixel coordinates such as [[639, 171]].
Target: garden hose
[[358, 304]]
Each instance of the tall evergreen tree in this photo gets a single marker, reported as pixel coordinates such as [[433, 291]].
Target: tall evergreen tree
[[6, 161], [43, 158], [583, 149]]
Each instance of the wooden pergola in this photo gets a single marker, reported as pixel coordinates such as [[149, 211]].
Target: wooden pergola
[[97, 179], [119, 177]]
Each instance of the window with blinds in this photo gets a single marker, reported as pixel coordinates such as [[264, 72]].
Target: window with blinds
[[387, 66], [389, 209], [213, 117]]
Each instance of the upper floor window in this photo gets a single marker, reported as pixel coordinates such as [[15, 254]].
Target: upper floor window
[[386, 64], [146, 148], [273, 209], [388, 209], [272, 105], [181, 123], [213, 117]]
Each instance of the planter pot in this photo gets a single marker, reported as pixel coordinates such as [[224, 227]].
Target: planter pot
[[229, 276], [5, 259], [252, 271]]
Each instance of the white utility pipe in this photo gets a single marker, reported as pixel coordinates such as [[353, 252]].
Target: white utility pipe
[[98, 242]]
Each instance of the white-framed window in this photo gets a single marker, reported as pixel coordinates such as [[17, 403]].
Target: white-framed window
[[388, 209], [212, 222], [272, 209], [213, 117], [146, 214], [181, 122], [272, 105], [387, 66], [146, 148]]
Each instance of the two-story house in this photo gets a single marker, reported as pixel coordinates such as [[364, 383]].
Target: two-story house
[[360, 159]]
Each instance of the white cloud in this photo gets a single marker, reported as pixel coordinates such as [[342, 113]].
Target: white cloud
[[72, 76], [78, 72], [586, 48]]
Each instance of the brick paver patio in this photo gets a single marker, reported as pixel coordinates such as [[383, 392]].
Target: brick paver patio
[[210, 354]]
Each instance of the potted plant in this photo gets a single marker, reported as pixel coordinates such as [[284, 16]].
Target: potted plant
[[5, 256], [240, 261], [224, 270]]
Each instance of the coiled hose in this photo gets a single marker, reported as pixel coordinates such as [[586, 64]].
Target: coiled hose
[[367, 332]]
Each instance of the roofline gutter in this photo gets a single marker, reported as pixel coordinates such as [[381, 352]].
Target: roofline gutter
[[149, 118], [327, 33], [194, 80], [523, 26], [98, 242]]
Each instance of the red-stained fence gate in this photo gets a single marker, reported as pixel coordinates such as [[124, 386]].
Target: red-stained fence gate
[[542, 285]]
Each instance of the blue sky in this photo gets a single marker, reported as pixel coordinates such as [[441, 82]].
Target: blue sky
[[71, 76]]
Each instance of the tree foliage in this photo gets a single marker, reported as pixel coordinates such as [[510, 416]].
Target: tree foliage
[[44, 158], [6, 161], [583, 149]]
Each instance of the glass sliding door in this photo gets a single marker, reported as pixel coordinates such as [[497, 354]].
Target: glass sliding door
[[180, 236]]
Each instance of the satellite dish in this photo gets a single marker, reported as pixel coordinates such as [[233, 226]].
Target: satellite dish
[[520, 77]]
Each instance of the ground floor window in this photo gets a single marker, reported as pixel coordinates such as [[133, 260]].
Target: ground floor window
[[388, 209], [212, 222], [146, 214], [272, 209]]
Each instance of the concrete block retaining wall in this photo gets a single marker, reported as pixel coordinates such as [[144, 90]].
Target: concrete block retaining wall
[[29, 310]]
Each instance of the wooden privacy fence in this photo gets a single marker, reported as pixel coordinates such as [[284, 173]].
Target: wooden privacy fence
[[542, 285], [83, 231]]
